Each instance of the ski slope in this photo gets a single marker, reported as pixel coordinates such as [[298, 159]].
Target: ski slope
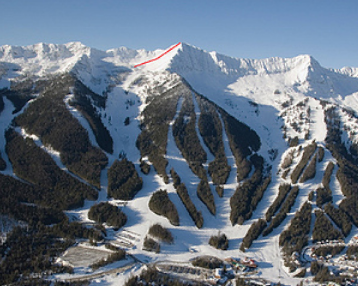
[[253, 91]]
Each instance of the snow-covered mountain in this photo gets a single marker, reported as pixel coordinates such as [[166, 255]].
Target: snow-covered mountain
[[298, 75], [251, 141]]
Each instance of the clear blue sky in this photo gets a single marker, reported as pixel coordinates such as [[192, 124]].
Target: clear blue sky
[[325, 29]]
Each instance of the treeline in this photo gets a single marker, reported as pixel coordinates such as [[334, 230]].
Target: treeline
[[283, 190], [30, 252], [295, 237], [208, 262], [73, 230], [144, 167], [123, 180], [287, 161], [206, 196], [25, 202], [175, 177], [120, 254], [323, 229], [149, 244], [307, 154], [253, 233], [83, 104], [320, 154], [242, 140], [160, 232], [327, 175], [352, 252], [328, 250], [211, 130], [186, 137], [324, 195], [105, 212], [2, 163], [340, 218], [322, 274], [20, 93], [219, 241], [219, 169], [294, 141], [49, 118], [152, 276], [152, 141], [189, 205], [56, 188], [285, 209], [2, 104], [183, 194], [160, 204], [34, 250], [347, 173], [219, 190], [246, 197], [310, 171]]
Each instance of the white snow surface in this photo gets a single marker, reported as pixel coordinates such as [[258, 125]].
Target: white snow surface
[[251, 78], [253, 91]]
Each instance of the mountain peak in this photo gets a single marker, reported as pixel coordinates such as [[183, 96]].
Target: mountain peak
[[213, 71], [190, 59]]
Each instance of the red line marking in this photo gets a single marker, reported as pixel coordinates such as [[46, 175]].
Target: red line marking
[[157, 58]]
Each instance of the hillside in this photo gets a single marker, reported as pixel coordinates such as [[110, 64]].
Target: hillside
[[263, 151]]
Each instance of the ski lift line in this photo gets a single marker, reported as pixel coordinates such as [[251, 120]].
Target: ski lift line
[[157, 58]]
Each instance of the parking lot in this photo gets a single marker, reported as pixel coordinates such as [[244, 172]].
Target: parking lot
[[185, 270], [79, 256]]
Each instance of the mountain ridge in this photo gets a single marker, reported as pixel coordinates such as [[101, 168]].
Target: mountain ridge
[[300, 75], [12, 52]]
